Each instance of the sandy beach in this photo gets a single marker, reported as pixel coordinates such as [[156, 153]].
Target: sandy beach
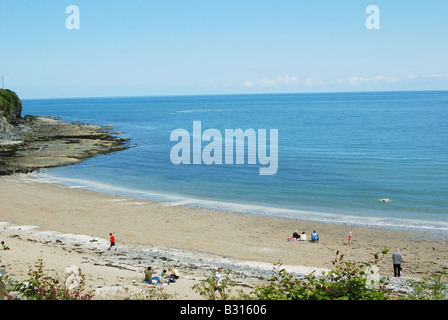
[[66, 226]]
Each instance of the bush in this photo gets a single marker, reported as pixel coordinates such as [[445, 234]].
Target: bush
[[206, 288], [347, 281], [43, 287], [432, 286]]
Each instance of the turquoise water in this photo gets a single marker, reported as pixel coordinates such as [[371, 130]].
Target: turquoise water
[[339, 154]]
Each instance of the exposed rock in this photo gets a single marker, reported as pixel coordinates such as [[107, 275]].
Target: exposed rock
[[31, 143], [2, 287], [42, 142], [73, 277], [5, 126]]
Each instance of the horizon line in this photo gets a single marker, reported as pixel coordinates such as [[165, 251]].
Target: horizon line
[[230, 94]]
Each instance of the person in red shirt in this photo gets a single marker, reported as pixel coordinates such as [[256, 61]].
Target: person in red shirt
[[112, 242]]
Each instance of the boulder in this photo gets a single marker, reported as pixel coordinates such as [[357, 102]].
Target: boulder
[[73, 277]]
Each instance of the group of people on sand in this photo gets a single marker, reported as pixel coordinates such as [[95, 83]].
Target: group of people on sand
[[303, 236], [164, 278], [149, 272], [397, 256], [314, 237]]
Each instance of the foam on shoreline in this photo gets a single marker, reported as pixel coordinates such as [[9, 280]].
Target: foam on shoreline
[[439, 228]]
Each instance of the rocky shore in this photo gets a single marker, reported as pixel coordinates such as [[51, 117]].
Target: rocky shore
[[31, 143], [34, 143]]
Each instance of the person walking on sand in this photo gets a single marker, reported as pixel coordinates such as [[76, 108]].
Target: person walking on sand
[[218, 280], [397, 259], [112, 242], [350, 237]]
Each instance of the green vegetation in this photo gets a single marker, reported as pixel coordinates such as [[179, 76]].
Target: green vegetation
[[347, 281], [10, 105], [207, 287], [43, 287], [430, 287]]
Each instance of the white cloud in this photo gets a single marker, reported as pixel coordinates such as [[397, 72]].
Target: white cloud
[[313, 82], [249, 84], [286, 80], [386, 79], [355, 80], [268, 82], [440, 76]]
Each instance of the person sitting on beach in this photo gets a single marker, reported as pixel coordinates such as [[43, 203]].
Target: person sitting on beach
[[174, 274], [296, 234], [314, 236], [148, 275], [5, 247], [303, 236]]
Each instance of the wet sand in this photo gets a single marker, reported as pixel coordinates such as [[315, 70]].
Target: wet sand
[[69, 225]]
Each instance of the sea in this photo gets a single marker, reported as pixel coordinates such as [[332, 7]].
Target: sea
[[375, 159]]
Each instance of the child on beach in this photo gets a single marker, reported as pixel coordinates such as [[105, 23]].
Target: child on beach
[[5, 247], [350, 237], [112, 242]]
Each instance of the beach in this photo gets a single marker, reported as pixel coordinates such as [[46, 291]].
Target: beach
[[66, 226]]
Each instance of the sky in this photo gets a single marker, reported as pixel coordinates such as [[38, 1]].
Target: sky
[[195, 47]]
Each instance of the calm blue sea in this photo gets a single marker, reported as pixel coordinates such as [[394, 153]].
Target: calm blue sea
[[339, 154]]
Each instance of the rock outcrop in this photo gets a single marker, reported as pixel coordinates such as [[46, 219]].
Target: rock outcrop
[[31, 143], [10, 108]]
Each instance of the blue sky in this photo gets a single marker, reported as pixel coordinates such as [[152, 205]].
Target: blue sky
[[178, 47]]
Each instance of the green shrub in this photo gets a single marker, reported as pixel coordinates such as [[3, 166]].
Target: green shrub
[[206, 288], [432, 286], [10, 104], [347, 281], [43, 287]]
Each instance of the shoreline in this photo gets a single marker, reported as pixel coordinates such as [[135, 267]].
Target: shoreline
[[438, 229], [185, 235]]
